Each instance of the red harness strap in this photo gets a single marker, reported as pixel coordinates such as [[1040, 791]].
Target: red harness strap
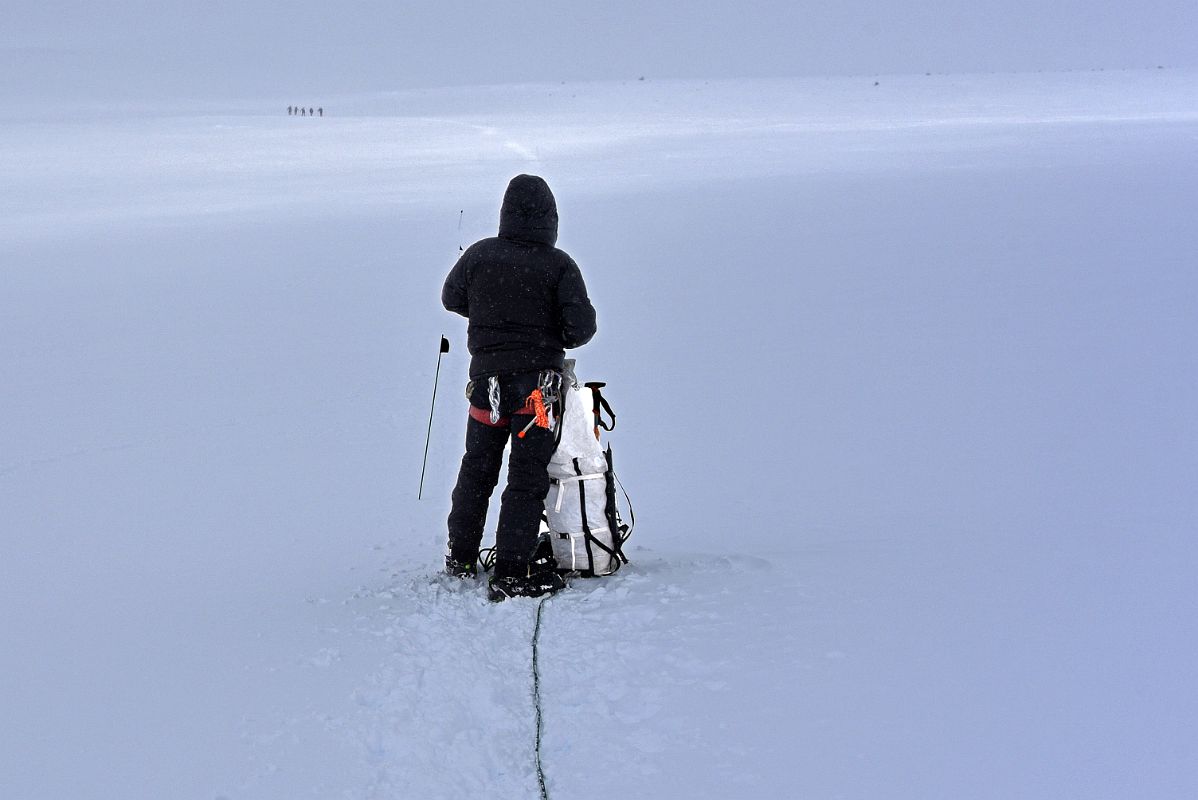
[[483, 415]]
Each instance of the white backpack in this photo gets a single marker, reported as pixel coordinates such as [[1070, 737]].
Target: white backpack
[[584, 520]]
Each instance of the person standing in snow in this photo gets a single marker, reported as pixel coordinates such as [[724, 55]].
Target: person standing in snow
[[527, 304]]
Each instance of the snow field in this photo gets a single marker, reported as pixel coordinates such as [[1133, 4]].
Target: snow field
[[905, 379]]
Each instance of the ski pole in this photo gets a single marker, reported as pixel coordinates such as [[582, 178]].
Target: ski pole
[[443, 350]]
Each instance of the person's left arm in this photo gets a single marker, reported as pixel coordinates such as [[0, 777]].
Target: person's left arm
[[577, 313]]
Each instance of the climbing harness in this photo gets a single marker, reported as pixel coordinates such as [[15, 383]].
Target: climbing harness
[[543, 404]]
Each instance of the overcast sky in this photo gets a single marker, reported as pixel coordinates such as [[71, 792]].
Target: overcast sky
[[246, 48]]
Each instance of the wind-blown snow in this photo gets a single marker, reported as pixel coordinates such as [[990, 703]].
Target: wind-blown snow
[[905, 376]]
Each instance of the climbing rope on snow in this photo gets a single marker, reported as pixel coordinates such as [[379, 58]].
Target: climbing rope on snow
[[536, 697]]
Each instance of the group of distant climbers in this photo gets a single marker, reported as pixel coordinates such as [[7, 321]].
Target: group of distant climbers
[[299, 111]]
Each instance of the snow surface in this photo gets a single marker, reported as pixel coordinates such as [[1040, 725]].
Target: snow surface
[[906, 380]]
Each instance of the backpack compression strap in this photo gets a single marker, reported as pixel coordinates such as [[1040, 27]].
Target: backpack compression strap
[[588, 536]]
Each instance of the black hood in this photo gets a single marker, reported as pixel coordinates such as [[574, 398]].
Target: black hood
[[529, 212]]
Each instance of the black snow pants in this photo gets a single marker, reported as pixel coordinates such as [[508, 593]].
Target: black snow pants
[[523, 500]]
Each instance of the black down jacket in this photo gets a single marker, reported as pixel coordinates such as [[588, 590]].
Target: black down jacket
[[525, 299]]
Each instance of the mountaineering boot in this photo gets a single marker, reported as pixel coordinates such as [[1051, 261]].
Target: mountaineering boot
[[543, 559], [460, 569], [542, 583], [536, 578]]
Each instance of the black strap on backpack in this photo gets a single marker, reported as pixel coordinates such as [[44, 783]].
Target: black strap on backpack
[[619, 531], [588, 538]]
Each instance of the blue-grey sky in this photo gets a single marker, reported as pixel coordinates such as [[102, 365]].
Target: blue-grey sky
[[224, 48]]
